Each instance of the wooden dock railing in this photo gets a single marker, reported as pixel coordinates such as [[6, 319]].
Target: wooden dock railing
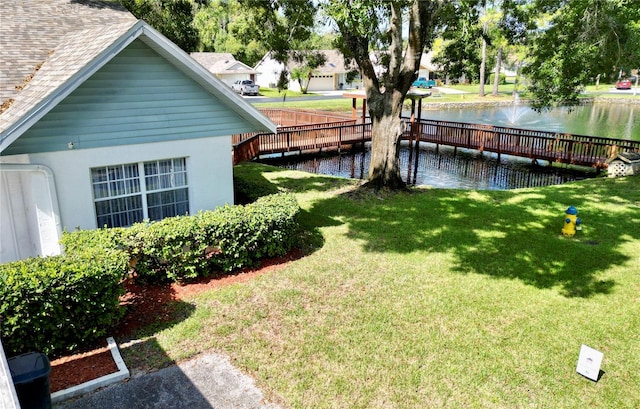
[[297, 117], [536, 145]]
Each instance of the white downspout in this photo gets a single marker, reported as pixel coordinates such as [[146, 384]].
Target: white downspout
[[52, 197]]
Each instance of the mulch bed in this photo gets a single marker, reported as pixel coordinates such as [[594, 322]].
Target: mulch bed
[[146, 304]]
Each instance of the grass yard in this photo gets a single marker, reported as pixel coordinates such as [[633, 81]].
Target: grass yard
[[433, 298], [338, 104], [274, 93], [504, 90]]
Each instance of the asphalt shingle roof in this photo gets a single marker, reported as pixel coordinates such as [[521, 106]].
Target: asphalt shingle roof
[[30, 30], [222, 63], [44, 43], [61, 65]]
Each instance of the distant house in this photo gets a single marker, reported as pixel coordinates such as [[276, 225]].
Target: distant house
[[330, 76], [225, 67], [105, 122], [427, 68]]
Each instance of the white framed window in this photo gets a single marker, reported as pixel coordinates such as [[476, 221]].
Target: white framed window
[[132, 192]]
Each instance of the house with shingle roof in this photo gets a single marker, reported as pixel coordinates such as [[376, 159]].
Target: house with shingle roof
[[332, 75], [428, 69], [225, 67], [105, 122]]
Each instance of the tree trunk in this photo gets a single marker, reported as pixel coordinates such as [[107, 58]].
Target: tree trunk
[[483, 64], [386, 132], [516, 80], [386, 92], [496, 75]]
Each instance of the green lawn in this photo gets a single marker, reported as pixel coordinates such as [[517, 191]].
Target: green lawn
[[274, 93], [432, 298], [503, 89], [338, 104]]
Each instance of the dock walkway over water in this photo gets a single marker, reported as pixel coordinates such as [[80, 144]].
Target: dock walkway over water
[[342, 134]]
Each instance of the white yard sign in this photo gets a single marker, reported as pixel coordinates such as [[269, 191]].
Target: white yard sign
[[589, 362]]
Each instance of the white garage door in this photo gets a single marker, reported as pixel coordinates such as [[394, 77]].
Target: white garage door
[[321, 83]]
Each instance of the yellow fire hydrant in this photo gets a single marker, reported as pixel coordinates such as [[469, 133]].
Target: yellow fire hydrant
[[571, 222]]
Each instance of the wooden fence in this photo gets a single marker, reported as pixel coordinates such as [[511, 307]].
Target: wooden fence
[[297, 120]]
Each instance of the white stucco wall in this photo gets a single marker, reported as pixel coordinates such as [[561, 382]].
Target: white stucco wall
[[209, 175], [268, 72]]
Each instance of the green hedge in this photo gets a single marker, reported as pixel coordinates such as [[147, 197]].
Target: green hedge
[[186, 247], [79, 240], [224, 239], [502, 79], [58, 303]]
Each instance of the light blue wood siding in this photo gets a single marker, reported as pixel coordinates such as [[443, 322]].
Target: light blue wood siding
[[137, 97]]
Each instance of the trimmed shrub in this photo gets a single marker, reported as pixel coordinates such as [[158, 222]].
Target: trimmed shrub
[[187, 247], [242, 235], [502, 79], [58, 303], [228, 238], [169, 248], [109, 238]]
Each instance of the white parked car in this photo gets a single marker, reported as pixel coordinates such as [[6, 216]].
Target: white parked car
[[245, 87]]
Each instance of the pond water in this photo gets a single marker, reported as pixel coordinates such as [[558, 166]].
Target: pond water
[[618, 121], [441, 167]]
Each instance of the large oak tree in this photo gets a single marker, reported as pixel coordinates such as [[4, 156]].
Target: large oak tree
[[366, 26], [385, 38], [579, 40]]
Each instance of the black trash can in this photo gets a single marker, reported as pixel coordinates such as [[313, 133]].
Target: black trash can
[[30, 374]]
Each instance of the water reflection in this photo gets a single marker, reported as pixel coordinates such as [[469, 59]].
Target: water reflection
[[619, 121], [441, 167]]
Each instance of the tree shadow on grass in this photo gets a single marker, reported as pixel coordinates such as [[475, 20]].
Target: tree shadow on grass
[[250, 184], [251, 178], [503, 234]]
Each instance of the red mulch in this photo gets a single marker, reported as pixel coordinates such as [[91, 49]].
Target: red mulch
[[145, 304]]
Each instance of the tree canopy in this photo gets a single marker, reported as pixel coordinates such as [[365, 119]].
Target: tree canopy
[[581, 40], [173, 18]]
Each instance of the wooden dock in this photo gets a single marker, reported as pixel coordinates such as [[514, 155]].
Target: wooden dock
[[535, 145]]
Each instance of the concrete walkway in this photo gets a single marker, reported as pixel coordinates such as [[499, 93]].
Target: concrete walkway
[[446, 90], [206, 382]]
